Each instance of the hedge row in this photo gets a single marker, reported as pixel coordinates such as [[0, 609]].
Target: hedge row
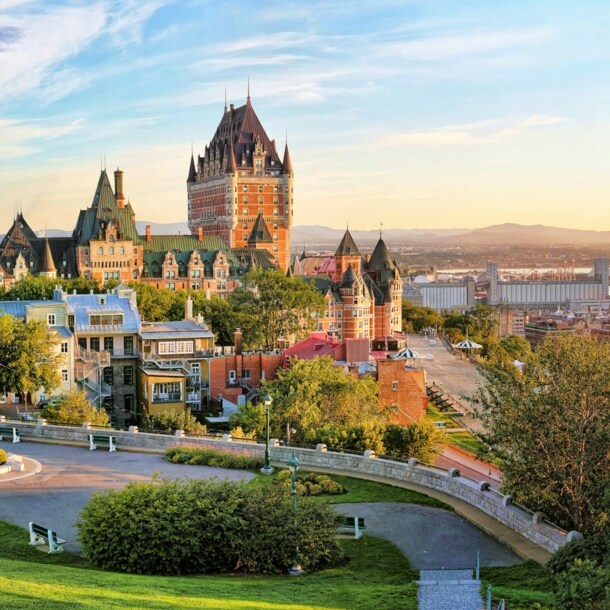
[[199, 456]]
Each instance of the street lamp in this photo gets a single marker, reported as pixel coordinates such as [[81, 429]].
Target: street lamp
[[293, 465], [267, 469]]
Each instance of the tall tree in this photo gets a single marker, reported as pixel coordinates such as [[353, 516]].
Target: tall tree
[[28, 356], [550, 426], [270, 306], [72, 409], [313, 394]]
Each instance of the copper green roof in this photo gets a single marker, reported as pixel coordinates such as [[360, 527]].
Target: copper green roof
[[184, 243]]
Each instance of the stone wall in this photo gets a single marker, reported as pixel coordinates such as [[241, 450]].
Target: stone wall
[[530, 525]]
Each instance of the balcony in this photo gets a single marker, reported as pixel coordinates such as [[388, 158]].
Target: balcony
[[123, 353], [169, 397], [91, 356], [193, 397]]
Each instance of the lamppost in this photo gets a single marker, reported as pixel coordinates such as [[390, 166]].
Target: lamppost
[[293, 465], [267, 469]]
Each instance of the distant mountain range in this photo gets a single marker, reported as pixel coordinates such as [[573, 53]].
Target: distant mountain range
[[497, 235]]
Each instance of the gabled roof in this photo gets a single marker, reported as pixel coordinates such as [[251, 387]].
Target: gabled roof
[[348, 246], [260, 233], [349, 278]]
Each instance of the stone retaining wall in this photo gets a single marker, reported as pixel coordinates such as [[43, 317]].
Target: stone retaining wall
[[477, 493]]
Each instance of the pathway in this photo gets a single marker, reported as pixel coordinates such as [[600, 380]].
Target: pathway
[[448, 590], [430, 538]]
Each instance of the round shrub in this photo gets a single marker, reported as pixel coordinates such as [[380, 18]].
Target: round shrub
[[190, 527], [3, 457], [310, 484]]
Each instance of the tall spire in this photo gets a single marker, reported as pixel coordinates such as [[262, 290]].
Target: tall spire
[[287, 163], [248, 98], [191, 176], [47, 265]]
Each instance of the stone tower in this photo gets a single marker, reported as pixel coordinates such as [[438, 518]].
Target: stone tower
[[240, 189]]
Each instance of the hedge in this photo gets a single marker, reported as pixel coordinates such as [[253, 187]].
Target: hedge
[[191, 527], [221, 458]]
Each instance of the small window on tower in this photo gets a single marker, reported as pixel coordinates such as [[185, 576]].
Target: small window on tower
[[260, 189], [245, 211], [245, 189]]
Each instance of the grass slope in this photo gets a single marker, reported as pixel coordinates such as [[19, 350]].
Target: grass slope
[[523, 587], [375, 575]]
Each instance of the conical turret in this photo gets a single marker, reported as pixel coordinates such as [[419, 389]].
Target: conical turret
[[47, 267], [287, 163]]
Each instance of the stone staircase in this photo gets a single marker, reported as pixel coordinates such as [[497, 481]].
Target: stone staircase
[[449, 590]]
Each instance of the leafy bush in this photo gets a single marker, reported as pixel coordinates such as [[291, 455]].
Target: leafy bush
[[3, 457], [583, 586], [200, 456], [420, 439], [169, 422], [355, 439], [189, 527], [311, 484], [73, 409]]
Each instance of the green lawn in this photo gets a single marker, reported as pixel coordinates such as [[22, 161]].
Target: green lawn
[[524, 587], [375, 575], [466, 441], [362, 490], [437, 415]]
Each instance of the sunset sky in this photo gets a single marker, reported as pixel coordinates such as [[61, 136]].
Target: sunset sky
[[420, 114]]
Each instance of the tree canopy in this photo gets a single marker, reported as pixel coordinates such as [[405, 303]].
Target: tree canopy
[[268, 306], [28, 358], [73, 408], [550, 426]]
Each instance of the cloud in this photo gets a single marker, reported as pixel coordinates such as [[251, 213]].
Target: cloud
[[36, 41], [469, 134], [16, 136]]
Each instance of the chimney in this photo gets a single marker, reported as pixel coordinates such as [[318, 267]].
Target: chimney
[[200, 233], [188, 308], [118, 188], [237, 337], [148, 235]]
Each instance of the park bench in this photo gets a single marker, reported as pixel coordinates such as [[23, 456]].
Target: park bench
[[440, 424], [13, 433], [95, 440], [352, 525], [43, 535]]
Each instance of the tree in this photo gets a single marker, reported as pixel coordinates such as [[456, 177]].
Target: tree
[[416, 318], [421, 440], [30, 288], [169, 422], [74, 409], [313, 394], [154, 304], [219, 314], [270, 306], [516, 347], [28, 358], [550, 426]]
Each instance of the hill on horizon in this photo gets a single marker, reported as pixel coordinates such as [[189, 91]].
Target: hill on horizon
[[505, 234]]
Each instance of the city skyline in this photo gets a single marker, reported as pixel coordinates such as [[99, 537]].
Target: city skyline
[[423, 115]]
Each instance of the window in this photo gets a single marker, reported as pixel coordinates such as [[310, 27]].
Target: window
[[245, 226], [64, 347], [135, 250], [260, 200], [246, 374], [128, 345], [51, 319], [100, 250], [245, 237], [108, 375], [121, 250], [275, 237], [275, 248], [130, 403], [108, 344], [395, 386], [128, 375], [245, 189], [260, 188], [196, 369], [276, 212], [245, 211], [71, 322], [94, 344], [64, 375], [167, 392], [111, 238]]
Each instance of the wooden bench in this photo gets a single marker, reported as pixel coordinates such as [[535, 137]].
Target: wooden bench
[[43, 535], [352, 526], [98, 439], [12, 432]]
